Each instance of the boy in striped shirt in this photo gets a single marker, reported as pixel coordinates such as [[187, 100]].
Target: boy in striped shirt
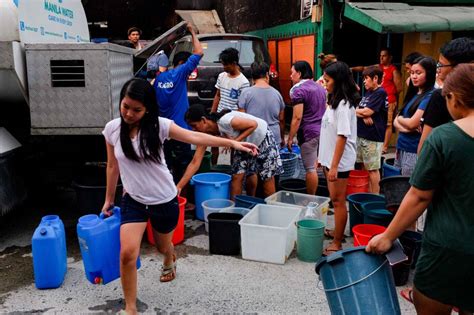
[[230, 83]]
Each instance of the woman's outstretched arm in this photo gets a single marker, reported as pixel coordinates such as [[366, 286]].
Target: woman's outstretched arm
[[199, 138]]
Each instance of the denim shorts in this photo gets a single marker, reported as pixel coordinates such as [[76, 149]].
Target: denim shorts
[[163, 217]]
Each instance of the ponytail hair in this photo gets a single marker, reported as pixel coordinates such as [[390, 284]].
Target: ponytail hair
[[196, 112], [326, 59]]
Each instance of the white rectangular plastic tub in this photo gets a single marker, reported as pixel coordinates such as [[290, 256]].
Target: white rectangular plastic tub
[[293, 199], [268, 233]]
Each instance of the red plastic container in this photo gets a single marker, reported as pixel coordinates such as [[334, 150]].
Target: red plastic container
[[178, 235], [358, 182], [364, 232]]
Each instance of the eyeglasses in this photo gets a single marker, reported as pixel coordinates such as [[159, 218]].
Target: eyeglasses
[[440, 65]]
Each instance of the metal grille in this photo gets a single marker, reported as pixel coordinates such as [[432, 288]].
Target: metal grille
[[67, 73]]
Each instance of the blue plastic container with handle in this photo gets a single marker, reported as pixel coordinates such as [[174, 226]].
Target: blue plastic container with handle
[[49, 253], [356, 214], [358, 283], [99, 241], [209, 186]]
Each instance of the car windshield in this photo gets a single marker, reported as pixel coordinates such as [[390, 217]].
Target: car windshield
[[250, 50]]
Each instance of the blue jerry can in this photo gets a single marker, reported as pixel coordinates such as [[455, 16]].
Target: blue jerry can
[[99, 241], [49, 253]]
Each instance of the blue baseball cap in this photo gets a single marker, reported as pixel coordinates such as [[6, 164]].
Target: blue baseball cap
[[156, 61]]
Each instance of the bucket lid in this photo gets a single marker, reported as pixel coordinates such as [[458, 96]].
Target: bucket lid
[[329, 258]]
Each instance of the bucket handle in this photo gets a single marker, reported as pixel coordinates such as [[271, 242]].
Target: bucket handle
[[191, 182], [358, 281], [217, 185], [357, 208], [113, 209]]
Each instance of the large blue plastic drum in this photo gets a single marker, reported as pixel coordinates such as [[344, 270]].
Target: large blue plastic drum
[[358, 283], [209, 186]]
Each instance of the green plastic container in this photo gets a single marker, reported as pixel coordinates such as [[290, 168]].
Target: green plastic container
[[310, 236], [205, 166]]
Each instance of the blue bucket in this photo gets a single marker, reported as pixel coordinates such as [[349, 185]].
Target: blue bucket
[[248, 202], [209, 186], [390, 170], [375, 213], [358, 283], [355, 206]]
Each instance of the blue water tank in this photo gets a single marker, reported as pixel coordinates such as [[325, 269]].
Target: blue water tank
[[358, 283], [209, 186], [49, 253], [99, 241]]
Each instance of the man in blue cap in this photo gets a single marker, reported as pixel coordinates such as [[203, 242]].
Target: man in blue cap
[[172, 95]]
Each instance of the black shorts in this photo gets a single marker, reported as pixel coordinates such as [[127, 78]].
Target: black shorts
[[445, 275], [163, 217], [340, 175]]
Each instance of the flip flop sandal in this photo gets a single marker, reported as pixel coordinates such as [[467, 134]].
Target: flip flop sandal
[[407, 294], [329, 251], [168, 273], [329, 233]]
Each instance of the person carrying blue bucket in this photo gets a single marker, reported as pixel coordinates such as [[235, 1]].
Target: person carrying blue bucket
[[240, 126], [443, 181], [135, 152]]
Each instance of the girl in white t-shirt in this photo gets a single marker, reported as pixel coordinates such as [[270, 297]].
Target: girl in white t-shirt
[[337, 144], [242, 126], [135, 152]]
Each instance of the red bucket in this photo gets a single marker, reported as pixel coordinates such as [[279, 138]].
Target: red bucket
[[178, 235], [364, 232], [358, 182]]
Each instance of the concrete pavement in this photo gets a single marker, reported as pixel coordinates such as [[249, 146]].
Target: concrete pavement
[[205, 283]]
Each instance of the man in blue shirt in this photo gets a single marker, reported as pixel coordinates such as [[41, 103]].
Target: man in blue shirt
[[172, 95]]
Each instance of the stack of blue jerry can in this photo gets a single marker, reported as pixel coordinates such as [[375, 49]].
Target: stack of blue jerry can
[[49, 253]]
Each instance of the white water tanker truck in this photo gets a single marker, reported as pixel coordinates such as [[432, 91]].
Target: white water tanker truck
[[57, 92], [56, 87]]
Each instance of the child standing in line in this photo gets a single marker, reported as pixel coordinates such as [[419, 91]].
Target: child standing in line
[[229, 85], [337, 149], [371, 124]]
